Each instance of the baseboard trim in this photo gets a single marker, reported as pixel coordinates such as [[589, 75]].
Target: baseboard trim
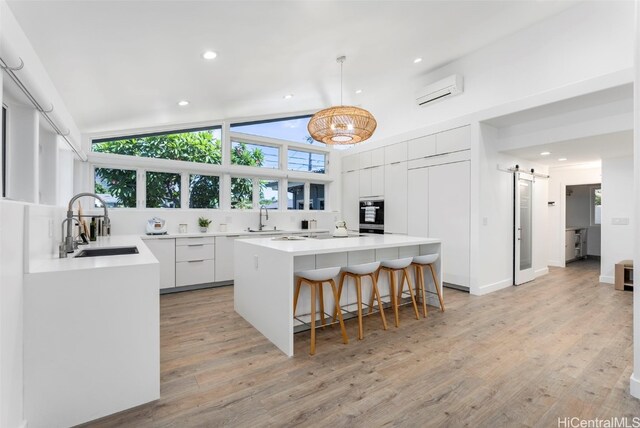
[[634, 386], [555, 263], [490, 288], [607, 279], [542, 271]]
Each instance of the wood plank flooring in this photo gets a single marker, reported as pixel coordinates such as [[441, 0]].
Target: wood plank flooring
[[524, 356]]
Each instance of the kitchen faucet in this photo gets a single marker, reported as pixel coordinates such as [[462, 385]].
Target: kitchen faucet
[[266, 211], [68, 244]]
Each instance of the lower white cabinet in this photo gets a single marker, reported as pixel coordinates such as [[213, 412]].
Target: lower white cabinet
[[165, 251], [195, 261], [224, 257], [418, 203], [371, 182], [351, 199]]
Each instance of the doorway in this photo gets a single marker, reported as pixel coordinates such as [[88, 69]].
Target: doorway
[[583, 217]]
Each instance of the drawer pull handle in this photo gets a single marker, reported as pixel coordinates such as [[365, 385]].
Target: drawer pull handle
[[195, 245], [195, 261]]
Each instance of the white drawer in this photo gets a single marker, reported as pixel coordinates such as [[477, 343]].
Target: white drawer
[[194, 272], [194, 241], [190, 252]]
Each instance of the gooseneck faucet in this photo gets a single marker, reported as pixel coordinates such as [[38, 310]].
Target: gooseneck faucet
[[68, 244], [266, 212]]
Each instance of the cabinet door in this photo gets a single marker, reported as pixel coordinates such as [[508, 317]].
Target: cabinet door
[[418, 202], [365, 182], [351, 199], [449, 218], [421, 147], [395, 153], [224, 257], [365, 160], [377, 181], [165, 251], [395, 202], [377, 157], [195, 272], [569, 246], [350, 163], [453, 140]]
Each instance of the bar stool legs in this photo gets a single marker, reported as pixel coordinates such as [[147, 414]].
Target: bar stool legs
[[374, 294], [317, 285], [392, 290], [419, 267]]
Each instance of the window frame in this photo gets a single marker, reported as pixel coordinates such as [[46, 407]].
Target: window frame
[[592, 204], [223, 171]]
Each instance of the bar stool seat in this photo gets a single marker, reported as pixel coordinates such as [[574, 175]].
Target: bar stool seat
[[357, 272], [315, 279], [393, 266], [420, 262]]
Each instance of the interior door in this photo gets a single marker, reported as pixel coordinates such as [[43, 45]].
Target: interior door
[[523, 229]]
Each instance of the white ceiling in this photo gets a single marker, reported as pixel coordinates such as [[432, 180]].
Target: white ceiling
[[125, 64], [580, 150]]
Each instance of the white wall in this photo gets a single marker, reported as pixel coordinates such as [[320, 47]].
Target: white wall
[[617, 203]]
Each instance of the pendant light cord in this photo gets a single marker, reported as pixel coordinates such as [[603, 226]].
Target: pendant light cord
[[341, 62]]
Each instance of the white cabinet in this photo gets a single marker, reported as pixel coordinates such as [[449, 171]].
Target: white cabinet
[[449, 218], [372, 158], [418, 202], [395, 204], [224, 257], [371, 182], [421, 147], [395, 153], [453, 140], [195, 261], [351, 199], [165, 251], [351, 163]]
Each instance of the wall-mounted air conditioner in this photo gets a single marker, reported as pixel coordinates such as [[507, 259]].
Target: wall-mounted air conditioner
[[447, 87]]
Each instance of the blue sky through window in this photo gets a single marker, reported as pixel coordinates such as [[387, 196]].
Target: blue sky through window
[[294, 129]]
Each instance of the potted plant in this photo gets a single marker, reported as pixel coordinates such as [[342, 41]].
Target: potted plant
[[204, 224]]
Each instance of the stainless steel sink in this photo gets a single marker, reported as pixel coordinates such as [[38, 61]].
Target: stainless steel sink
[[107, 251]]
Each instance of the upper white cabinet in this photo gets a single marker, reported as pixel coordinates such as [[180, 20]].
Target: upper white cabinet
[[351, 163], [395, 190], [372, 158], [453, 140], [421, 147], [395, 153], [351, 199], [165, 251]]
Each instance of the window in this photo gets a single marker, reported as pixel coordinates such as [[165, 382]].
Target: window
[[289, 129], [295, 196], [163, 190], [596, 199], [116, 186], [204, 191], [299, 160], [196, 145], [255, 155], [241, 193], [269, 193], [316, 196]]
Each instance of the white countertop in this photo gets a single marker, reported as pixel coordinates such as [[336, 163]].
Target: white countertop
[[319, 246], [243, 233], [54, 264]]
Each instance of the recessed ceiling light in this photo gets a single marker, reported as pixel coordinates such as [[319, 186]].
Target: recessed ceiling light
[[562, 159], [417, 60], [183, 103], [288, 96], [358, 91], [545, 153], [209, 55]]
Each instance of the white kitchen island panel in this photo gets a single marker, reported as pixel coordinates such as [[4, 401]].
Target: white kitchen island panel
[[264, 271]]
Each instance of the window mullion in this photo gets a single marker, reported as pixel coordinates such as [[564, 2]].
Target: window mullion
[[184, 190], [307, 189], [141, 188]]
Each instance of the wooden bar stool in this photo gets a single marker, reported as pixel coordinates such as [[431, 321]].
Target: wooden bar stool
[[357, 272], [393, 266], [420, 262], [315, 279]]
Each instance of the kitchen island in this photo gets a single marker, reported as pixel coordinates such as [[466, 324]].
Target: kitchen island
[[264, 271]]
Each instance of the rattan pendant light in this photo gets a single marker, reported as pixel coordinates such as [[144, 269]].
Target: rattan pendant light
[[343, 124]]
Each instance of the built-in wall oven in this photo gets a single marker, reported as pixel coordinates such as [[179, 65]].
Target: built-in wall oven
[[372, 216]]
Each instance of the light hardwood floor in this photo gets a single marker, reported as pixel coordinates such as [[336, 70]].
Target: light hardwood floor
[[524, 356]]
